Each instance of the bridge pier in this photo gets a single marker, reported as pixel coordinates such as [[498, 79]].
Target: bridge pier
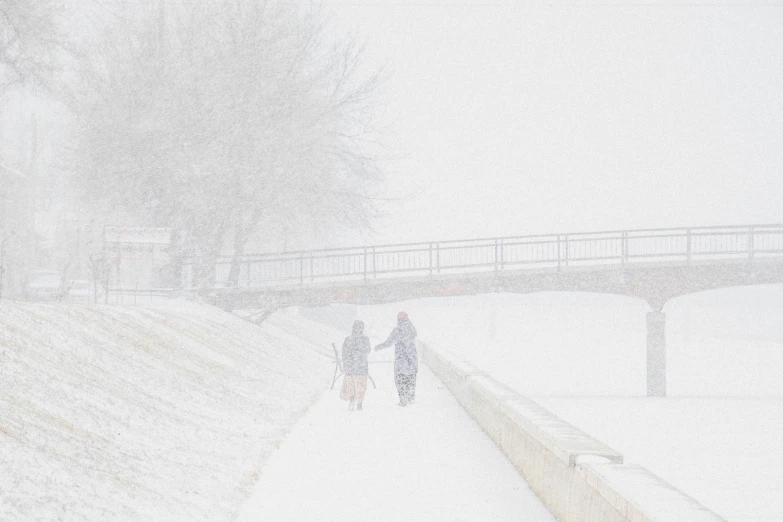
[[656, 354]]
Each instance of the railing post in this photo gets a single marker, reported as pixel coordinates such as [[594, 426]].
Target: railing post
[[502, 256], [624, 247], [437, 256], [312, 273], [365, 263], [301, 269], [374, 273], [688, 244], [430, 259], [565, 239], [496, 255], [558, 253], [751, 233]]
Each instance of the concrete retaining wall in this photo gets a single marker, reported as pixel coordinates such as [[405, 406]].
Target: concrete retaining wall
[[577, 477]]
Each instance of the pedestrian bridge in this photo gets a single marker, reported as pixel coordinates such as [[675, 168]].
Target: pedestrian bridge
[[652, 264]]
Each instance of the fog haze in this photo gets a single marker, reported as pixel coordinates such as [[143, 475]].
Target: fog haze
[[211, 309], [515, 119]]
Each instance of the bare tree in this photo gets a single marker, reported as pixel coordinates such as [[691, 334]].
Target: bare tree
[[34, 51], [30, 38], [231, 118]]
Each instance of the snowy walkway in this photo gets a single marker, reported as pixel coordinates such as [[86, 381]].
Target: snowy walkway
[[428, 461]]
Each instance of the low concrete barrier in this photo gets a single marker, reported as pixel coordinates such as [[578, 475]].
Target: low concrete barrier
[[577, 477]]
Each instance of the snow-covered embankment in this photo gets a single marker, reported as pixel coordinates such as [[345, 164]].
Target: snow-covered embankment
[[577, 477], [111, 413]]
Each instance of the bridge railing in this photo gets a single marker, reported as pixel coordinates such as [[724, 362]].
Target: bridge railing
[[536, 251]]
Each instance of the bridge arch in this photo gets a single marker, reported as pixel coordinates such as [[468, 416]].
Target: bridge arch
[[655, 265]]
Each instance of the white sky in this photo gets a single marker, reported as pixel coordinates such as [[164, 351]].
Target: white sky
[[518, 117], [526, 118]]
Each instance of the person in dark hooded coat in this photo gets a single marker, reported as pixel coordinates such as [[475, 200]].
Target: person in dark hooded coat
[[406, 360], [355, 351]]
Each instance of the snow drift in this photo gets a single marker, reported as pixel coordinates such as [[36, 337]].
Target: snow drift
[[113, 413]]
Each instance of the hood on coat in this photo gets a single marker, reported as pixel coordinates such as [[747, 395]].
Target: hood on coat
[[358, 328], [407, 328]]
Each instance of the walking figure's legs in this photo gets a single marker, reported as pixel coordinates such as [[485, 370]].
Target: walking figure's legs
[[400, 382]]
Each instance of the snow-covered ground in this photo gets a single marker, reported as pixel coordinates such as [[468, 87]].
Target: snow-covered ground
[[111, 413], [724, 452], [426, 462], [169, 413], [583, 356]]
